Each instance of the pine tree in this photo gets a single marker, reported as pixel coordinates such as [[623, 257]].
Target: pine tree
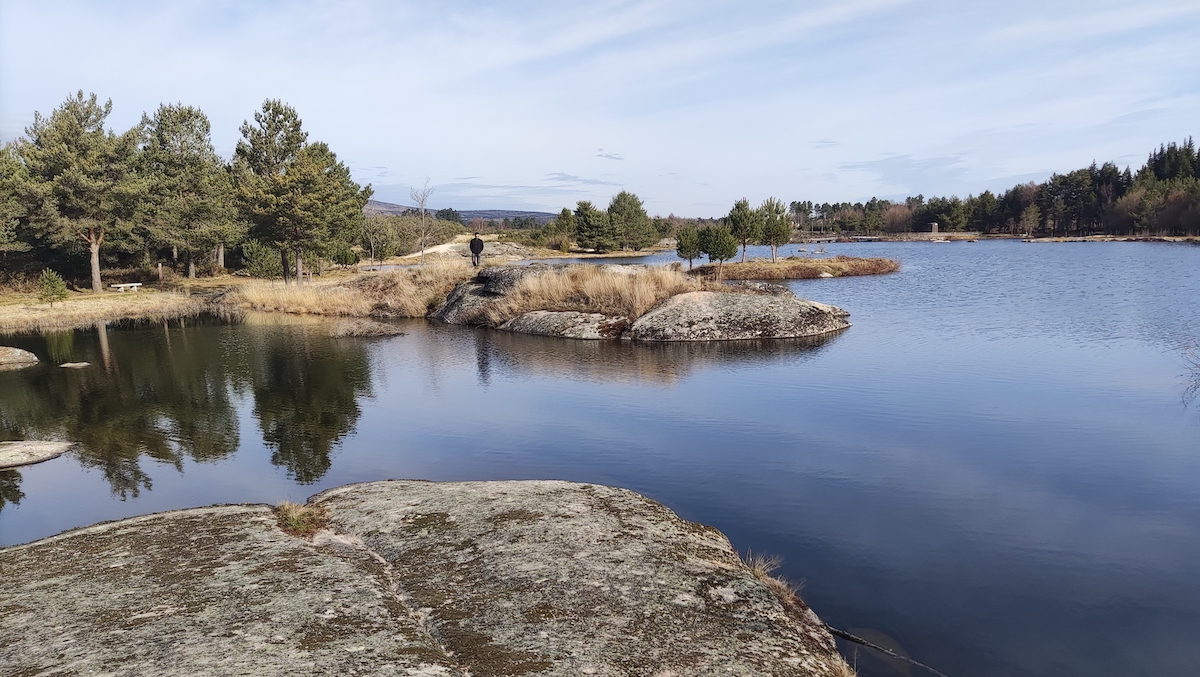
[[629, 219], [52, 287], [688, 245], [719, 244], [593, 229], [776, 227], [744, 224], [79, 183]]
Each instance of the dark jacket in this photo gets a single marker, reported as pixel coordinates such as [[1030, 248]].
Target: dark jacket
[[476, 246]]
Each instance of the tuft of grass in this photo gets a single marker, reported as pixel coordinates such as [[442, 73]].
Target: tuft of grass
[[85, 310], [300, 519], [587, 288], [412, 292], [764, 567], [794, 268]]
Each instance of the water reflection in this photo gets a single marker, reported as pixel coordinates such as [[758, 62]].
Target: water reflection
[[168, 394], [10, 488], [625, 361], [306, 389]]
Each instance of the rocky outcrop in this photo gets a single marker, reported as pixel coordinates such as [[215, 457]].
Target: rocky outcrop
[[408, 578], [751, 310], [568, 324], [15, 358], [16, 454], [723, 316]]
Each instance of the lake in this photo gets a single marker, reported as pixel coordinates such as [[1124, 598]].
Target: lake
[[995, 470]]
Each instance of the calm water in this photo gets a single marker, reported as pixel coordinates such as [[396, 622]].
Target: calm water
[[994, 470]]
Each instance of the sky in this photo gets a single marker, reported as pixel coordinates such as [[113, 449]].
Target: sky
[[690, 104]]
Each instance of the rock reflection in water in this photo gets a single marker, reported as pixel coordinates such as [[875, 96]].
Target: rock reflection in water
[[609, 361]]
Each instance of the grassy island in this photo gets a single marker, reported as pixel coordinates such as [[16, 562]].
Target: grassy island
[[796, 268]]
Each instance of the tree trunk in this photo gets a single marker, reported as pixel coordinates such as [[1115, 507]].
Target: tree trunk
[[174, 254], [94, 246], [299, 267], [743, 252], [221, 256], [191, 266], [283, 259], [720, 269]]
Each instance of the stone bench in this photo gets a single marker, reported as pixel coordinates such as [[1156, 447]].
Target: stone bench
[[125, 286]]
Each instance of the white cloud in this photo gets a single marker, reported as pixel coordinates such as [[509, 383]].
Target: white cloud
[[708, 102]]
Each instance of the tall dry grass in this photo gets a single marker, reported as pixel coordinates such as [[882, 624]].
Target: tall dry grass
[[412, 292], [591, 289], [306, 299], [85, 310], [799, 268]]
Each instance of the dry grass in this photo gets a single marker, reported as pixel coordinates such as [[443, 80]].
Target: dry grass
[[764, 567], [301, 520], [85, 310], [306, 299], [412, 292], [586, 288], [800, 268]]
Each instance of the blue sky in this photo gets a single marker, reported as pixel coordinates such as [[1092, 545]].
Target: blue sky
[[690, 104]]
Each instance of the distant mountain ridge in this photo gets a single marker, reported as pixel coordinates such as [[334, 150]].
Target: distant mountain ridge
[[377, 207]]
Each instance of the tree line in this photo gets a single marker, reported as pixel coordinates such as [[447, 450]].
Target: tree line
[[1160, 198], [70, 187]]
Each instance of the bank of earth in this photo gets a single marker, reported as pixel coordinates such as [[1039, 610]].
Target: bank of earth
[[406, 578]]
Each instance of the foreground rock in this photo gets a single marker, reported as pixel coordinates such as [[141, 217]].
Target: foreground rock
[[409, 578], [16, 454], [723, 316], [15, 358]]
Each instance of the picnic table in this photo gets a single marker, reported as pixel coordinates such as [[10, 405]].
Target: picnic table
[[126, 286]]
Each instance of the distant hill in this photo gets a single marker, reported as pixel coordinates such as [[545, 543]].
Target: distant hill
[[377, 207]]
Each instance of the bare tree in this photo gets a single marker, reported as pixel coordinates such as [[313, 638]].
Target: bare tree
[[420, 197]]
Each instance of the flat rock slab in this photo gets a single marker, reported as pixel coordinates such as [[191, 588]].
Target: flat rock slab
[[15, 454], [726, 316], [10, 355], [210, 591], [409, 578]]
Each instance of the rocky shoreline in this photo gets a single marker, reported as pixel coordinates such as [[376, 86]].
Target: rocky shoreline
[[406, 578], [744, 311]]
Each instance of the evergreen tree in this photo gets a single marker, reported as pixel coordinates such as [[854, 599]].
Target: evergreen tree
[[776, 227], [719, 244], [51, 287], [266, 150], [744, 224], [629, 219], [190, 189], [593, 229], [688, 245], [78, 183]]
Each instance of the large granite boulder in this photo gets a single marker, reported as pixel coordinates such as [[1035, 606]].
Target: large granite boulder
[[464, 304], [408, 578], [722, 316], [568, 324]]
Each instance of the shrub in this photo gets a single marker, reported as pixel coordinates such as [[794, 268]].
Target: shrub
[[261, 260], [51, 287]]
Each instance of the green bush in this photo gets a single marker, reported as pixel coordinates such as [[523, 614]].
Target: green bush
[[261, 260], [52, 287]]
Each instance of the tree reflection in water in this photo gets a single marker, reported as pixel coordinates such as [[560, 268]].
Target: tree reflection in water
[[168, 393], [306, 388]]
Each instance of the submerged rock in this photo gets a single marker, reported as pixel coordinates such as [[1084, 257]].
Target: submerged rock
[[408, 578], [15, 454], [362, 327], [15, 357], [463, 305], [722, 316], [568, 324], [75, 365]]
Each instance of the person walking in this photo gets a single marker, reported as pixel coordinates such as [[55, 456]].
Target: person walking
[[476, 250]]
